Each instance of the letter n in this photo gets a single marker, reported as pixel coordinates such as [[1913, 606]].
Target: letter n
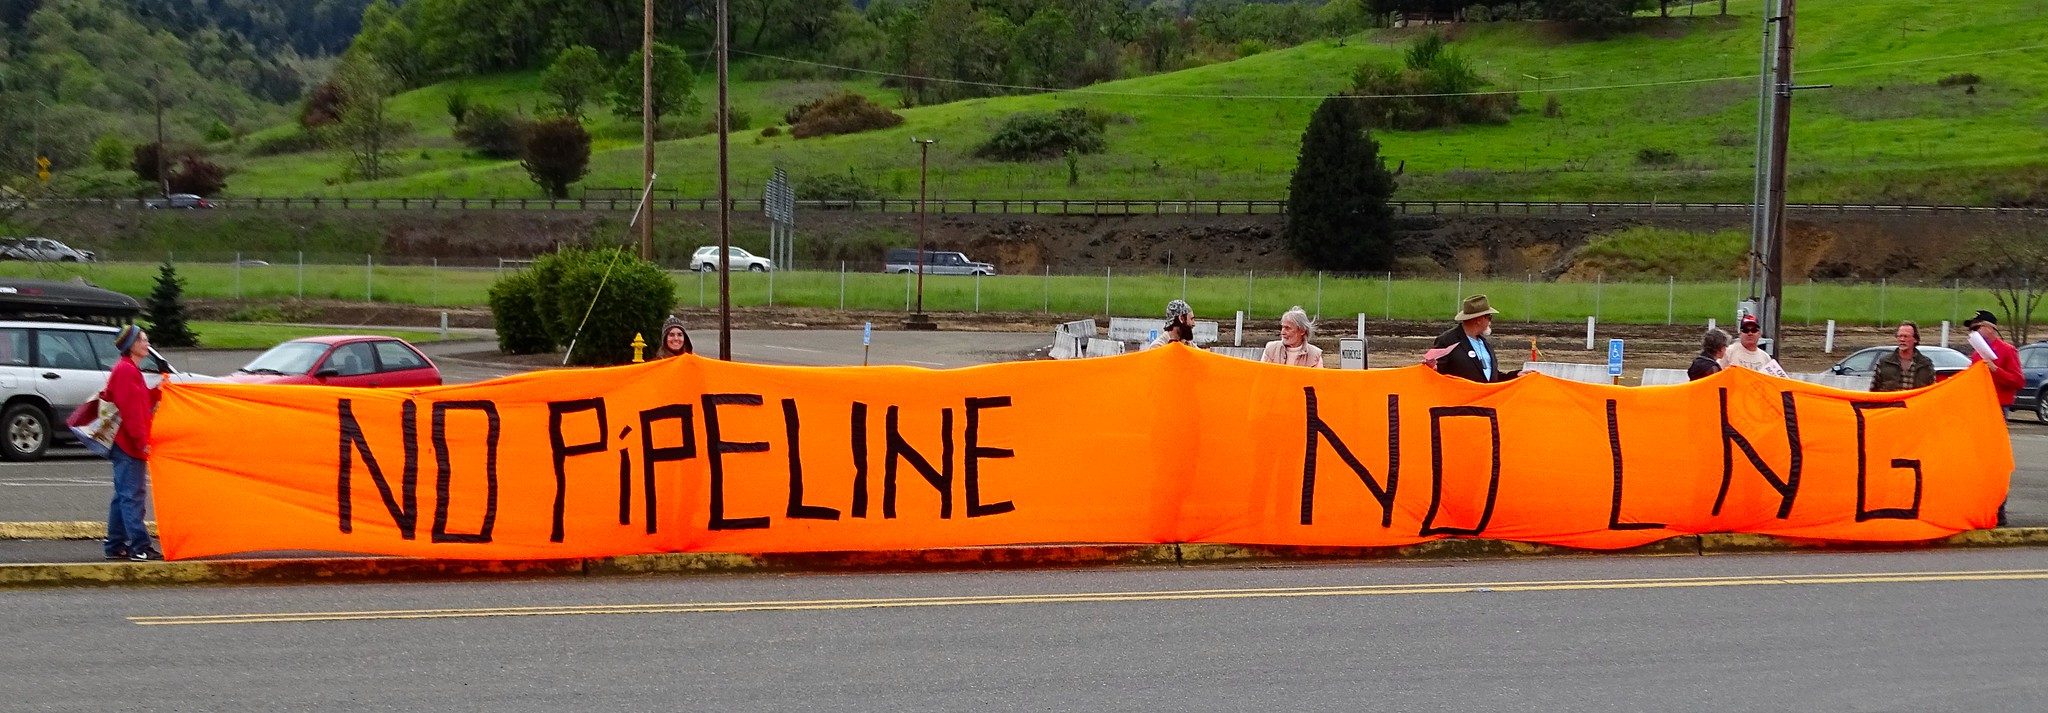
[[404, 507], [1317, 427], [1787, 487]]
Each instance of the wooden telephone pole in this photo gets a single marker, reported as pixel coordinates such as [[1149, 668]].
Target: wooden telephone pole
[[647, 132]]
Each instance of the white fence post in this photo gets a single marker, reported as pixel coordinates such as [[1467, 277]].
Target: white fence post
[[1361, 325], [1828, 345], [1944, 332], [1237, 335], [1589, 333]]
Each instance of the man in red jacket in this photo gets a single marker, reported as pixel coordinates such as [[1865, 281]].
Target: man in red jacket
[[127, 535], [2006, 376]]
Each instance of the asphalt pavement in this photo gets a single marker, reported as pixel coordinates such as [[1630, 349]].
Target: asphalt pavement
[[1941, 631]]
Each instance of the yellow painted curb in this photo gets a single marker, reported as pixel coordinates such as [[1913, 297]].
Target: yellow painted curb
[[1739, 543], [1434, 549], [57, 530]]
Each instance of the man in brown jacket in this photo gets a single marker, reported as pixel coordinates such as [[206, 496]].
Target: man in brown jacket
[[1906, 367]]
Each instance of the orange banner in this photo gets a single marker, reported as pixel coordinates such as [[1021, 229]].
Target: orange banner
[[1169, 445]]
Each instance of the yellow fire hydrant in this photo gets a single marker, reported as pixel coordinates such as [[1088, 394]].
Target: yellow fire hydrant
[[639, 348]]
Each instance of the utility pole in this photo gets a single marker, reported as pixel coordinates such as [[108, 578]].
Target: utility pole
[[724, 191], [918, 320], [647, 131], [1772, 307]]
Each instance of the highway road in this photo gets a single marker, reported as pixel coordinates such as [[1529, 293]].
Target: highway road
[[1934, 631]]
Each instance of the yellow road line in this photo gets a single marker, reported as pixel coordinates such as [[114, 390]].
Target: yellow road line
[[1100, 597]]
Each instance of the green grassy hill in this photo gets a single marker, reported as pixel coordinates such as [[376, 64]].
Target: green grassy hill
[[1886, 132]]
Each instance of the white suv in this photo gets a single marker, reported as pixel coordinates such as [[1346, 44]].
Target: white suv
[[47, 369], [706, 260]]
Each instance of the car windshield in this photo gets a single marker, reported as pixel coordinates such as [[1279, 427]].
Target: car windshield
[[287, 358], [1947, 358]]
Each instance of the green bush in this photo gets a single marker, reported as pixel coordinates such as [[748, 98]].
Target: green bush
[[110, 153], [219, 131], [493, 131], [1435, 88], [298, 141], [1961, 79], [635, 298], [843, 113], [515, 311], [1033, 136], [835, 187]]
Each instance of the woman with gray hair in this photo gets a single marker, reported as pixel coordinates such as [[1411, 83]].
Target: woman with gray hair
[[1292, 348], [1712, 347]]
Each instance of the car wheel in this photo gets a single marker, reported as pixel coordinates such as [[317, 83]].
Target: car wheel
[[2041, 409], [757, 267], [27, 434], [902, 272], [67, 258]]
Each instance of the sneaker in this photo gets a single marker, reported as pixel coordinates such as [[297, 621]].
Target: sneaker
[[146, 556]]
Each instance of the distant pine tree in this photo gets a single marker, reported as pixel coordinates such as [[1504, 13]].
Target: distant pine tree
[[1337, 213], [165, 311]]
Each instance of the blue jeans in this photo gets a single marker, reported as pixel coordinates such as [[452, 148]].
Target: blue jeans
[[125, 529]]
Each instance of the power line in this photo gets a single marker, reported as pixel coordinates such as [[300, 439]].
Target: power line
[[1319, 97]]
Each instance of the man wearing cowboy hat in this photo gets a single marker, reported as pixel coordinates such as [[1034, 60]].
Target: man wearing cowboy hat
[[1464, 351]]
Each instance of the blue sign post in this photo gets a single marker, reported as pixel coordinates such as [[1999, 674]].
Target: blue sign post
[[1614, 359], [867, 334]]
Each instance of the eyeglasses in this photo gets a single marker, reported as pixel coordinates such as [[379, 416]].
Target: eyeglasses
[[1751, 330]]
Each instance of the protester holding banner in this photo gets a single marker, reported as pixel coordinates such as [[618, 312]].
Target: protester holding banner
[[127, 534], [1708, 363], [1906, 367], [1292, 348], [1985, 345], [1464, 351], [1748, 354], [675, 340], [1179, 327]]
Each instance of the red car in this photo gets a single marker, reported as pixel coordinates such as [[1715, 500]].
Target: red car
[[347, 360]]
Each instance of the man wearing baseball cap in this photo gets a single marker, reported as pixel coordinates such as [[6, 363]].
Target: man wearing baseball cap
[[2006, 376], [1747, 354]]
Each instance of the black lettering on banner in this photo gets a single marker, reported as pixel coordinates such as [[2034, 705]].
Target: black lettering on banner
[[1788, 487], [718, 447], [976, 452], [1436, 448], [625, 487], [859, 423], [1862, 475], [1614, 446], [797, 509], [444, 473], [941, 479], [404, 508], [650, 456], [562, 450], [1317, 427]]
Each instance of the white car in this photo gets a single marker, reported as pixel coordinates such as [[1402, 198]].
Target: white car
[[47, 369], [41, 250], [706, 259]]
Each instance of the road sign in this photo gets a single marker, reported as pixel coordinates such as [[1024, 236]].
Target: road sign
[[1351, 353], [1614, 357], [43, 174], [867, 333], [42, 162]]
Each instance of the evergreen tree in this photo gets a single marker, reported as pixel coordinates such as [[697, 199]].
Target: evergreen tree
[[165, 311], [1337, 214]]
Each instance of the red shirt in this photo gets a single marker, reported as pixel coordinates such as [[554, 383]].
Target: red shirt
[[2005, 373], [136, 402]]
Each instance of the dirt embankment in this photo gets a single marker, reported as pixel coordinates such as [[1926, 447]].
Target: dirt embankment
[[1820, 245]]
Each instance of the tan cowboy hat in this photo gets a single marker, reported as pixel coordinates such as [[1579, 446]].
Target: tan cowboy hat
[[1474, 308]]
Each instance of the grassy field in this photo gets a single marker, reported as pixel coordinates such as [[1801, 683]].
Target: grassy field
[[240, 335], [1884, 132], [1261, 295]]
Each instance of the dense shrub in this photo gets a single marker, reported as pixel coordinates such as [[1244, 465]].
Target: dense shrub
[[1656, 156], [198, 176], [1042, 135], [493, 131], [843, 113], [835, 187], [556, 154], [219, 131], [541, 307], [771, 132], [1435, 88], [300, 141], [110, 153], [515, 313], [324, 106], [1957, 80]]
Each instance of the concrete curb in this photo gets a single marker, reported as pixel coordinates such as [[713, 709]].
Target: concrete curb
[[397, 569], [80, 530]]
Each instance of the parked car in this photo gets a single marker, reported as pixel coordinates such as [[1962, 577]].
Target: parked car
[[47, 369], [936, 262], [342, 360], [178, 200], [41, 250], [1863, 364], [706, 259], [2034, 362]]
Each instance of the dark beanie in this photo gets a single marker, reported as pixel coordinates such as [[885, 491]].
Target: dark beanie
[[125, 340]]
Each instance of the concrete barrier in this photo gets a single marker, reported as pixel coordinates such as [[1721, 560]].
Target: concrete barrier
[[1247, 353], [1845, 383], [1582, 373], [1665, 377], [1070, 339], [1139, 329], [1099, 347]]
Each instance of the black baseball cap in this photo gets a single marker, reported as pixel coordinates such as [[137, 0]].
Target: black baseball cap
[[1982, 316]]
